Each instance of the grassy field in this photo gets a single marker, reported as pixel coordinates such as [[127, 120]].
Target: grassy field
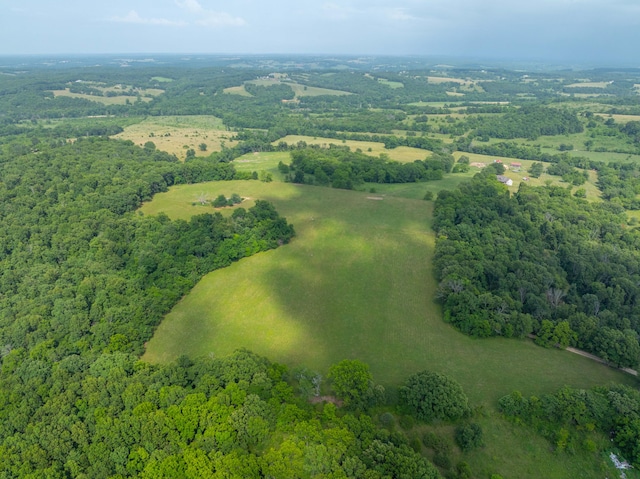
[[589, 84], [237, 90], [620, 118], [513, 451], [403, 154], [177, 134], [146, 95], [391, 84], [355, 283], [299, 89]]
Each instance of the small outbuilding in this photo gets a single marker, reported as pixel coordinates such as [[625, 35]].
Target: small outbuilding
[[505, 180]]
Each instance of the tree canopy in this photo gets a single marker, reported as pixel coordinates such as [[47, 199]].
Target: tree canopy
[[429, 395]]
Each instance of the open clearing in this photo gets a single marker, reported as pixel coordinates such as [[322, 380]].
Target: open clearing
[[403, 154], [390, 83], [115, 94], [299, 89], [590, 187], [177, 134], [459, 81], [105, 100], [356, 282], [589, 84], [619, 118]]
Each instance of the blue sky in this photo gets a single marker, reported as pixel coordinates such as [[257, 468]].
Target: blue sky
[[600, 31]]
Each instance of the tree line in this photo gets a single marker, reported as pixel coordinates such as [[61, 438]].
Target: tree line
[[539, 261], [342, 168]]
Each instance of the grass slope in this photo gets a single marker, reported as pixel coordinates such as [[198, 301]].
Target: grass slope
[[355, 283]]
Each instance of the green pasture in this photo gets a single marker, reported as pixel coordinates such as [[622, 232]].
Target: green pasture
[[515, 451], [356, 282], [261, 161], [237, 90], [124, 122], [391, 84], [416, 191], [305, 90]]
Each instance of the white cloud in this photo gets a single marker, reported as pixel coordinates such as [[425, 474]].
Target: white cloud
[[221, 19], [192, 6], [337, 12], [133, 17], [210, 18], [400, 14]]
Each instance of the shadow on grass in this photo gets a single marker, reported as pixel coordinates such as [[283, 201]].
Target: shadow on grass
[[356, 282]]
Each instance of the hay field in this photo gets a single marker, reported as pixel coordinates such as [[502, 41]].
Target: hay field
[[177, 134], [145, 94], [403, 154], [619, 118], [300, 90], [589, 84]]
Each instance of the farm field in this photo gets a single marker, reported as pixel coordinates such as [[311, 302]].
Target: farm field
[[391, 84], [145, 94], [356, 282], [299, 89], [403, 154], [589, 84], [177, 134], [261, 161]]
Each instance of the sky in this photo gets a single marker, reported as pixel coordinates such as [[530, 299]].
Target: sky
[[603, 32]]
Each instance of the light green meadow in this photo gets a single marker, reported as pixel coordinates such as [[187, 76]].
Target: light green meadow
[[356, 282]]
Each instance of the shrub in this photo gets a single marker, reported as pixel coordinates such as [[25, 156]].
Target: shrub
[[428, 395], [469, 436], [220, 201]]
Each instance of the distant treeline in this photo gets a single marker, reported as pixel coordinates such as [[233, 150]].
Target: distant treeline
[[530, 121]]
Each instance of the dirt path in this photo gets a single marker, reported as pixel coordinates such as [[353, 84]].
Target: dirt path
[[600, 360], [633, 372]]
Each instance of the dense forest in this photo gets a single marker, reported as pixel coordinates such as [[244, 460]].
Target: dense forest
[[540, 261]]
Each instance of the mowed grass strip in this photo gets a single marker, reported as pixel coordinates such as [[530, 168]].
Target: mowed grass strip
[[356, 282]]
